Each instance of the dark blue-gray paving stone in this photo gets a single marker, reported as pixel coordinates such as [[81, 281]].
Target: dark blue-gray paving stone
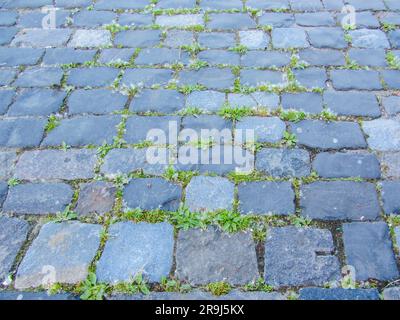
[[216, 40], [334, 5], [56, 164], [20, 133], [352, 103], [146, 77], [164, 101], [306, 5], [323, 37], [116, 55], [311, 77], [338, 294], [367, 38], [308, 102], [382, 134], [283, 38], [365, 19], [93, 18], [179, 21], [40, 198], [263, 59], [254, 39], [19, 56], [204, 194], [156, 56], [283, 162], [261, 77], [392, 293], [64, 249], [3, 192], [34, 19], [74, 3], [205, 256], [238, 100], [7, 76], [265, 129], [212, 78], [13, 235], [315, 19], [328, 135], [135, 19], [178, 38], [394, 38], [368, 57], [206, 122], [221, 4], [263, 197], [391, 78], [93, 77], [6, 97], [85, 130], [379, 263], [339, 200], [34, 296], [322, 57], [271, 4], [120, 4], [96, 101], [84, 38], [67, 56], [210, 101], [229, 21], [138, 38], [360, 5], [355, 80], [152, 194], [8, 18], [39, 77], [95, 197], [176, 4], [42, 38], [7, 34], [346, 165], [219, 57], [25, 3], [7, 165], [391, 104], [300, 257], [134, 249], [138, 128], [390, 197], [37, 102], [277, 19]]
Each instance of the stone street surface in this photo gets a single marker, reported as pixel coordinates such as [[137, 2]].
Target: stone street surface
[[312, 211]]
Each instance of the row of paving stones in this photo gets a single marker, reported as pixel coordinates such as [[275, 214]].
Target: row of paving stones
[[318, 200], [293, 256], [43, 102], [280, 38]]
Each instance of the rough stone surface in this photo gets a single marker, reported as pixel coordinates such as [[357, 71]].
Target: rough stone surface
[[204, 256], [390, 197], [65, 250], [265, 129], [34, 296], [378, 263], [95, 197], [391, 293], [383, 134], [21, 133], [7, 164], [300, 257], [134, 249], [338, 294]]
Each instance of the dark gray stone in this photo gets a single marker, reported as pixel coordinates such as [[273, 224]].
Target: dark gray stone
[[11, 4], [212, 78], [96, 101], [283, 38], [205, 256], [390, 197], [300, 257], [352, 103], [269, 129], [7, 76], [256, 78], [379, 263], [360, 5], [56, 164], [219, 57], [322, 57], [138, 38], [327, 38], [207, 100], [264, 59], [271, 4], [39, 77], [152, 194], [161, 100], [315, 19], [6, 97], [34, 296], [19, 56], [57, 56], [259, 197], [283, 162], [206, 122], [221, 4], [339, 200], [135, 19], [346, 165], [328, 135], [176, 4], [40, 198], [205, 194], [216, 40], [391, 293], [311, 77], [95, 197], [394, 38], [179, 20], [162, 56], [254, 39], [134, 249], [355, 80], [178, 38], [120, 4], [7, 164], [146, 77], [368, 57], [116, 55], [21, 133], [93, 18], [277, 19], [3, 191], [230, 21], [390, 163], [8, 18], [90, 38], [7, 34], [367, 38], [306, 5], [37, 102], [391, 104], [12, 236], [92, 77], [307, 101], [338, 294], [383, 134], [41, 38], [81, 131], [391, 78], [34, 19], [61, 253]]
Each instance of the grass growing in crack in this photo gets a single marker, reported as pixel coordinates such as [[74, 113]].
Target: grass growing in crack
[[388, 27], [299, 221], [12, 182], [240, 49], [231, 222], [135, 286], [259, 285], [52, 123], [129, 91], [198, 64], [292, 115], [66, 215], [328, 115], [193, 49], [138, 215], [183, 177], [190, 111], [90, 289], [172, 285], [115, 27], [219, 288], [188, 89], [289, 139], [234, 113], [184, 219], [392, 61]]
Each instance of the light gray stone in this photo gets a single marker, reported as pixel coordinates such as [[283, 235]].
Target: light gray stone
[[383, 134], [391, 293], [90, 38], [265, 129]]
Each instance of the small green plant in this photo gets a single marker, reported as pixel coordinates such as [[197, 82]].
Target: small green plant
[[351, 64], [231, 221], [267, 28], [184, 219], [179, 176], [348, 27], [172, 285], [130, 90], [240, 49], [115, 27], [388, 27], [289, 139], [219, 288], [190, 111], [296, 63], [299, 221], [292, 115], [235, 113], [12, 182], [121, 180], [193, 49], [259, 285], [198, 64], [138, 215], [91, 289], [52, 123], [348, 38], [136, 285], [393, 61], [328, 115], [66, 215], [188, 89]]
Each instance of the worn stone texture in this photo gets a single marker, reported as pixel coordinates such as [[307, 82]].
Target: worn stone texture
[[95, 197], [338, 294]]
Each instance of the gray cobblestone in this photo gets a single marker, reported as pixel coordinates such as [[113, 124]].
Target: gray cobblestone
[[92, 77], [7, 163], [354, 80], [39, 77], [41, 38], [90, 38], [382, 134], [265, 129], [95, 197], [6, 97], [164, 101], [338, 294], [389, 192], [19, 133]]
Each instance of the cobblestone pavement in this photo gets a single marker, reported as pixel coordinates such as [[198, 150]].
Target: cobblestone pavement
[[84, 214]]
